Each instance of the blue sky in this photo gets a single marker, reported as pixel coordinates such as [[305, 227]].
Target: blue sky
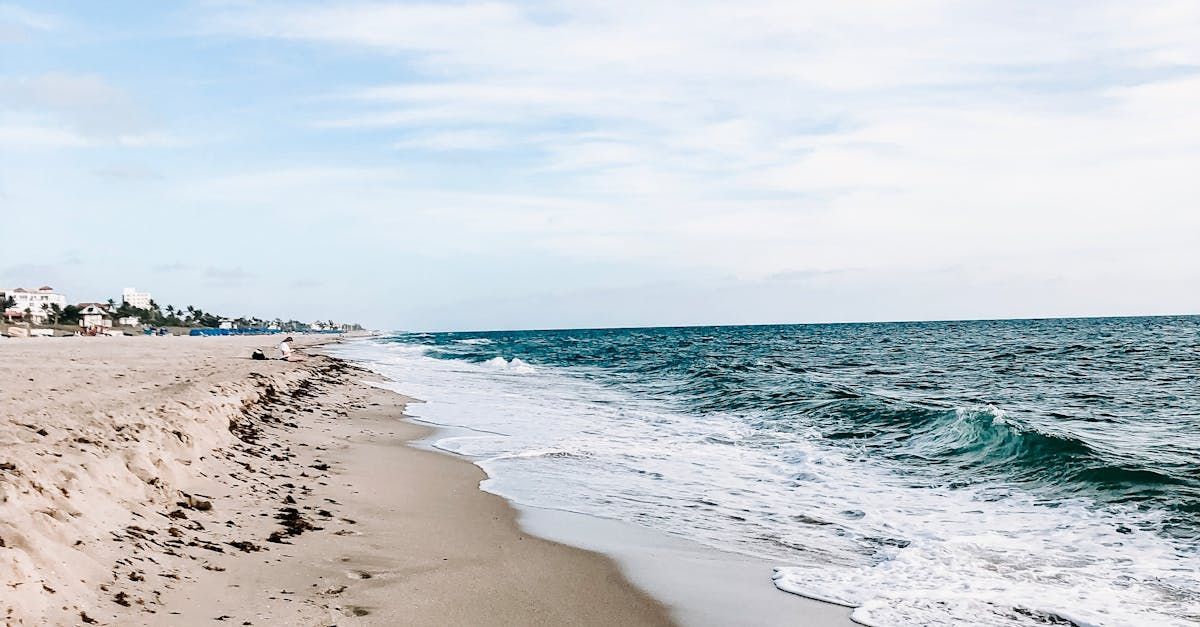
[[559, 164]]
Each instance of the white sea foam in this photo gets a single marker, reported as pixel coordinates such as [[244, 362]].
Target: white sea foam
[[513, 365], [842, 530]]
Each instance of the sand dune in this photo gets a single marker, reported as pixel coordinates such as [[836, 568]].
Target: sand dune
[[99, 437]]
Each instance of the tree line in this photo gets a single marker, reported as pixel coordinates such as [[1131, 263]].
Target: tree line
[[169, 316]]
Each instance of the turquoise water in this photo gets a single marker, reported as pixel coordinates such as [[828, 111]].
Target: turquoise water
[[1023, 472]]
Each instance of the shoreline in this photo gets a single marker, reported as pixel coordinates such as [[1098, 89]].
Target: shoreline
[[257, 493], [415, 544], [720, 587]]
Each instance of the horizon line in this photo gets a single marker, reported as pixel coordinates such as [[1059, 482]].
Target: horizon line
[[799, 324]]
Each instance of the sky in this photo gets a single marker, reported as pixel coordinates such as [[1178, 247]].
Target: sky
[[495, 165]]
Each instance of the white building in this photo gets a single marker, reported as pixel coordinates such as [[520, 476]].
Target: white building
[[94, 316], [227, 323], [129, 321], [37, 304], [134, 298]]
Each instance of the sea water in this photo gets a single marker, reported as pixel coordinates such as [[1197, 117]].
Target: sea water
[[998, 472]]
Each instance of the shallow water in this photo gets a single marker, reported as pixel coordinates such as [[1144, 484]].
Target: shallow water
[[1005, 472]]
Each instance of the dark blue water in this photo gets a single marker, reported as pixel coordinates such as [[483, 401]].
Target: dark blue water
[[1077, 440]]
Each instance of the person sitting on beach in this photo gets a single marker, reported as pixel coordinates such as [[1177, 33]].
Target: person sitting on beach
[[285, 349]]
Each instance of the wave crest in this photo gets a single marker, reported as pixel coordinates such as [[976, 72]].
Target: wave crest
[[514, 365]]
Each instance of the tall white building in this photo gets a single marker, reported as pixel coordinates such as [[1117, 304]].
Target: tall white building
[[34, 303], [134, 298]]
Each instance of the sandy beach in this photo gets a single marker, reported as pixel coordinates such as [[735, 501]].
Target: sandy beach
[[174, 481]]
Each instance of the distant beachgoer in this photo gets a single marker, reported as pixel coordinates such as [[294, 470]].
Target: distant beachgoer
[[286, 352]]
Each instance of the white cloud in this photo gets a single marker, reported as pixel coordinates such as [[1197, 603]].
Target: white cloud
[[64, 110], [86, 103], [454, 140], [763, 137], [300, 180], [18, 23], [14, 136], [26, 133]]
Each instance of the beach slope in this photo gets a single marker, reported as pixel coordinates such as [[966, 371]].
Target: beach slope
[[174, 481]]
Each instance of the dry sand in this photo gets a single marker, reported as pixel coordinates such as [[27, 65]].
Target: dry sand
[[174, 481]]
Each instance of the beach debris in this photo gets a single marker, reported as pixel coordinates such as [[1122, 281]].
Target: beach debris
[[293, 524], [206, 545], [245, 546], [191, 502], [355, 610]]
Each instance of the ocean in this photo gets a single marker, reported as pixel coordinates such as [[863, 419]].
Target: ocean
[[1026, 472]]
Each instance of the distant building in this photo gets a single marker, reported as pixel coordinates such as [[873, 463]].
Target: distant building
[[129, 321], [134, 298], [94, 316], [226, 323], [37, 304]]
